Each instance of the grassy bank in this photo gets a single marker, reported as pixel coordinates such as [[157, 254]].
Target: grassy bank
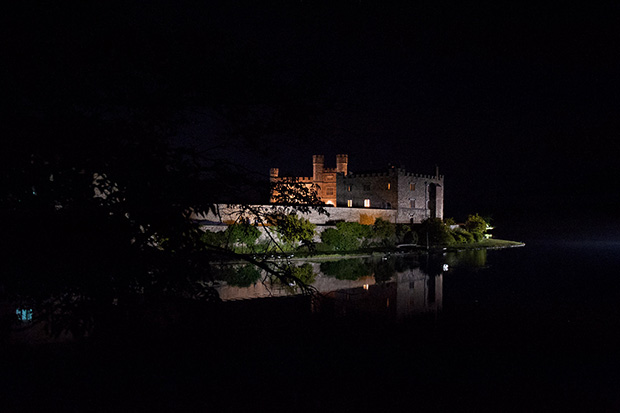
[[380, 251], [487, 243]]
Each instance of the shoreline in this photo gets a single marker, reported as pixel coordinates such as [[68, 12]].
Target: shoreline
[[493, 244]]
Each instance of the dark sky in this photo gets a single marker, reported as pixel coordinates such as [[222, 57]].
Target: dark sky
[[517, 105]]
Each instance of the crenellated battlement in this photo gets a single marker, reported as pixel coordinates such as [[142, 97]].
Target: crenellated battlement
[[401, 172], [414, 197]]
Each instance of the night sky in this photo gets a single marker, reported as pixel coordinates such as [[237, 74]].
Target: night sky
[[517, 105]]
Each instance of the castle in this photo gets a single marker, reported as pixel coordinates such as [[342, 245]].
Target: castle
[[324, 178], [402, 196]]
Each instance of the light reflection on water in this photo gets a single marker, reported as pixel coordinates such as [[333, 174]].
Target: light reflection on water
[[396, 286]]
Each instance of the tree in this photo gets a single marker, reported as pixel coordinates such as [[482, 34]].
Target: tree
[[96, 188], [347, 236], [476, 224], [294, 229], [385, 231], [242, 233], [242, 276], [349, 269], [436, 232], [462, 236]]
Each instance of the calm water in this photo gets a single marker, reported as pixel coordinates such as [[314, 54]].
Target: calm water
[[523, 329]]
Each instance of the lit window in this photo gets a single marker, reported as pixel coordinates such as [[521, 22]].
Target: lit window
[[412, 186], [367, 203], [389, 185], [349, 203], [349, 188]]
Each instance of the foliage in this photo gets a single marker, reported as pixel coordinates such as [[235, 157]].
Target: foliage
[[449, 221], [334, 239], [462, 236], [243, 276], [292, 229], [355, 229], [385, 231], [347, 236], [405, 234], [349, 269], [411, 237], [476, 224], [303, 273], [242, 233], [436, 232], [290, 191], [213, 238], [384, 270], [92, 184]]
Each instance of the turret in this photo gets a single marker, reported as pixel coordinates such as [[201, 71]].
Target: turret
[[273, 173], [318, 165], [342, 162]]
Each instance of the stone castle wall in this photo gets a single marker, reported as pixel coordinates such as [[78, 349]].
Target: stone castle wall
[[415, 197], [227, 214], [411, 197]]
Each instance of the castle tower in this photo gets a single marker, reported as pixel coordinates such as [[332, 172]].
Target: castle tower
[[318, 165], [273, 173], [342, 161]]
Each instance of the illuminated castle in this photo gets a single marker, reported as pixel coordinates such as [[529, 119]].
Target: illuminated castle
[[324, 178], [411, 198]]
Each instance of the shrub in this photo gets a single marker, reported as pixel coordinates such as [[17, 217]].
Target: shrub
[[292, 229], [385, 231], [410, 237], [436, 231], [346, 236], [244, 234], [303, 273], [462, 236], [213, 239], [351, 269], [476, 224], [243, 276]]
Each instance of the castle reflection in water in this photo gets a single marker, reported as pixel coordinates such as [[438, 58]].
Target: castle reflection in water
[[366, 287]]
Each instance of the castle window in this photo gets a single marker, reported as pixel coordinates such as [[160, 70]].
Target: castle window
[[411, 186], [367, 203], [389, 185], [366, 187], [349, 203], [349, 188], [329, 191], [412, 203]]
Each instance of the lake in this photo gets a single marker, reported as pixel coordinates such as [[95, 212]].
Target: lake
[[521, 329]]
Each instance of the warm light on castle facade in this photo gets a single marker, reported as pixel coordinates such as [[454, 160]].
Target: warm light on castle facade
[[411, 198]]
